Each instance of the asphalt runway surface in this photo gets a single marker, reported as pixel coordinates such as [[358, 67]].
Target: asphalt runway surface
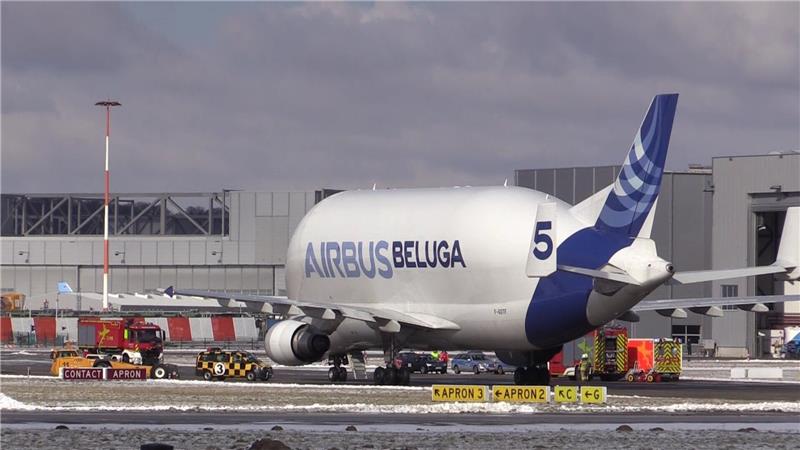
[[38, 363]]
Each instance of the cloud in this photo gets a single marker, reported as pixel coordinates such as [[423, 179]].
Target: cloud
[[304, 96]]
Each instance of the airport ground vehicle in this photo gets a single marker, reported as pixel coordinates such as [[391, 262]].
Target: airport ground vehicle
[[501, 368], [218, 364], [127, 340], [475, 362], [610, 361], [421, 362], [654, 360], [71, 358], [12, 301]]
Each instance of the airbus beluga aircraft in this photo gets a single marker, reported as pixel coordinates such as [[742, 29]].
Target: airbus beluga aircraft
[[504, 269]]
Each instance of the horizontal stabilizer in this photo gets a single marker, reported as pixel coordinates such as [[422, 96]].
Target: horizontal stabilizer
[[622, 277]]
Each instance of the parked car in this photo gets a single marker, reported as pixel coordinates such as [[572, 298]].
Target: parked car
[[475, 362], [421, 362], [501, 368]]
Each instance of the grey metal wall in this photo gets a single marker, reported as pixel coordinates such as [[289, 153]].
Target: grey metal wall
[[742, 186], [250, 258], [682, 227]]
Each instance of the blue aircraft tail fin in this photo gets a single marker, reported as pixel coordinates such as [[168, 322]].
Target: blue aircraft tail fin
[[635, 191]]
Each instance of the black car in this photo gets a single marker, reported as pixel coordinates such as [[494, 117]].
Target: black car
[[422, 363]]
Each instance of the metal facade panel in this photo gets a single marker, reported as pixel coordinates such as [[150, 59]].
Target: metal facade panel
[[263, 204], [118, 280], [584, 183], [246, 217], [22, 279], [36, 252], [604, 176], [184, 278], [545, 181], [52, 252], [230, 252], [233, 279], [87, 280], [280, 203], [133, 252], [149, 253], [565, 189], [6, 252], [263, 248], [152, 278], [247, 252], [266, 280], [164, 253], [180, 250], [136, 279], [250, 279], [38, 281], [280, 240], [168, 277], [21, 251], [53, 276], [7, 278], [198, 252], [200, 278], [216, 278], [280, 281], [525, 178]]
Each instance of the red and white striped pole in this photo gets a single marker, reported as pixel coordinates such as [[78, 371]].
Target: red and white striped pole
[[107, 104]]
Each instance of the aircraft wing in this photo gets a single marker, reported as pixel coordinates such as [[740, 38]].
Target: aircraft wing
[[711, 306], [386, 320]]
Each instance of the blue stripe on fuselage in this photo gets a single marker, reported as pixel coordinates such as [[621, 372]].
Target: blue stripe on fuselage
[[557, 312]]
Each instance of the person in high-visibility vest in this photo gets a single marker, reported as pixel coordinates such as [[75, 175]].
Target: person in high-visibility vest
[[584, 368], [435, 355]]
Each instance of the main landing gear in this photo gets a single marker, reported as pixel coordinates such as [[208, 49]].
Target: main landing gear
[[393, 373], [337, 372], [537, 375], [390, 375]]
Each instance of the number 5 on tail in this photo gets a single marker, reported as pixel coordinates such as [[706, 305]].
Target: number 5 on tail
[[542, 251]]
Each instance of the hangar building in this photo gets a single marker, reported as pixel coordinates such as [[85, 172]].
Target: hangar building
[[728, 215]]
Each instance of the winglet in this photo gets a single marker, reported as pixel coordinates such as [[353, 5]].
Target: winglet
[[170, 291]]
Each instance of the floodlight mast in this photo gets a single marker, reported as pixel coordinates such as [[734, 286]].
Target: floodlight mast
[[107, 104]]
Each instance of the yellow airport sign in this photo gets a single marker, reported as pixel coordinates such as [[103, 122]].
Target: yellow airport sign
[[521, 394], [565, 394], [458, 393], [593, 394]]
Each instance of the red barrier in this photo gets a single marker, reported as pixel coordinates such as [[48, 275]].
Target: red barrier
[[6, 333], [45, 329], [222, 327], [179, 329]]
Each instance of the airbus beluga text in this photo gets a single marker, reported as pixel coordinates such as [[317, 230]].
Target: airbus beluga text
[[505, 269]]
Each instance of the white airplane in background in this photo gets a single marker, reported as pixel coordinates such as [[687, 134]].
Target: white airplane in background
[[505, 269]]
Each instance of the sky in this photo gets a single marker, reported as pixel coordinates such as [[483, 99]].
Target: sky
[[302, 96]]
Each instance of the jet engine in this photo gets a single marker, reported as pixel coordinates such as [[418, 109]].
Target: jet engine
[[294, 343]]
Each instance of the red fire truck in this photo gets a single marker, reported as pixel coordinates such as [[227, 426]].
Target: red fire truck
[[129, 339]]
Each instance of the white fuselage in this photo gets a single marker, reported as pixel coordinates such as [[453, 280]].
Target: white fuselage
[[487, 296]]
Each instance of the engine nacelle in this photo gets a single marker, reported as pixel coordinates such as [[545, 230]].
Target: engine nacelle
[[294, 343]]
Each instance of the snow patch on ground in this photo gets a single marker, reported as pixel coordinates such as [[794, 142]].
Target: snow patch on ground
[[740, 380], [7, 402]]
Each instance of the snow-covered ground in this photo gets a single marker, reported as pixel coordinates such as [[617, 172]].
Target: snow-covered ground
[[39, 393]]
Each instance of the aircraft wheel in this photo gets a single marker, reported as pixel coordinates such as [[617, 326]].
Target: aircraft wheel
[[333, 374], [423, 370], [404, 376], [500, 370], [342, 374], [379, 376], [520, 376], [390, 376]]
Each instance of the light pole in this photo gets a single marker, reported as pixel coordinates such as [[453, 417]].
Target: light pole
[[107, 104]]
